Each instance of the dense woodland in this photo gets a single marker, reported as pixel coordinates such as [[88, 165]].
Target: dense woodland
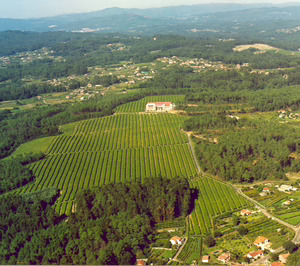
[[245, 151], [112, 224]]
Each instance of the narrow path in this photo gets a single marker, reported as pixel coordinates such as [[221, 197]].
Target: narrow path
[[194, 154], [180, 249], [161, 248]]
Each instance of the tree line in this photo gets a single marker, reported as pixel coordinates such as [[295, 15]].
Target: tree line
[[112, 225]]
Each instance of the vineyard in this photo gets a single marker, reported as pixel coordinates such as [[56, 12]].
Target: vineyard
[[215, 198], [139, 106], [191, 251], [119, 148]]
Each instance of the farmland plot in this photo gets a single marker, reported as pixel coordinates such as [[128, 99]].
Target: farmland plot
[[119, 148], [215, 198]]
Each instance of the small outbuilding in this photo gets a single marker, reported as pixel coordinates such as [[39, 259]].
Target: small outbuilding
[[205, 259], [255, 254], [225, 257]]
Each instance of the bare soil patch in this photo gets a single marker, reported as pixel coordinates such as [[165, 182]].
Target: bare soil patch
[[258, 46]]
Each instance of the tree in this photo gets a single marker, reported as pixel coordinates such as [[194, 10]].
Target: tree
[[218, 234], [274, 256], [235, 220], [209, 241], [290, 246], [243, 230], [294, 259]]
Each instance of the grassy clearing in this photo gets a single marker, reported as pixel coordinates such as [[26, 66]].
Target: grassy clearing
[[258, 46], [35, 146]]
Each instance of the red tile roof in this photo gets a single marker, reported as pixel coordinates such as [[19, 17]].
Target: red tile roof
[[163, 103], [260, 239], [255, 253]]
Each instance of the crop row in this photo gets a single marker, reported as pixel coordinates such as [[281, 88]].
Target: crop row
[[71, 172], [192, 246], [214, 198], [140, 106], [121, 132]]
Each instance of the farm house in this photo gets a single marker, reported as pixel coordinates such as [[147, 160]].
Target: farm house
[[159, 107]]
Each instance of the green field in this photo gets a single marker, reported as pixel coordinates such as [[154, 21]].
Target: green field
[[35, 146], [119, 148], [139, 106], [215, 198], [191, 251]]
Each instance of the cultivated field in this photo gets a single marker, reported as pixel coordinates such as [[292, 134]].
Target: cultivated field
[[119, 148], [215, 198], [139, 106]]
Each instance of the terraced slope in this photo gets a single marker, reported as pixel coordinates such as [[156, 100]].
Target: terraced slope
[[215, 198]]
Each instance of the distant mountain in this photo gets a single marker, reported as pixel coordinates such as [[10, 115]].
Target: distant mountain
[[175, 19]]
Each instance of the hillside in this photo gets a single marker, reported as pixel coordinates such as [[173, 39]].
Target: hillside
[[175, 19]]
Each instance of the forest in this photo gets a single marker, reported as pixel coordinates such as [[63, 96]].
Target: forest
[[112, 225], [245, 151]]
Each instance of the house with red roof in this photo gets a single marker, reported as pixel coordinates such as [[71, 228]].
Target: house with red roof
[[255, 254], [176, 240], [159, 107], [262, 242], [225, 257], [245, 212], [205, 259], [283, 257]]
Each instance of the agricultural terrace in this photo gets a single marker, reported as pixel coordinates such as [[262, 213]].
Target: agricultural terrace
[[276, 202], [191, 251], [139, 106], [215, 198], [119, 148]]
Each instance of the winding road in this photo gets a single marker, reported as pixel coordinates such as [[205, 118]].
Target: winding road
[[295, 240]]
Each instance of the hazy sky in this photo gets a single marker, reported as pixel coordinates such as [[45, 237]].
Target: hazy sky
[[43, 8]]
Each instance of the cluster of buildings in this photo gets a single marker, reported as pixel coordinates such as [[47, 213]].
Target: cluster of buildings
[[283, 188], [288, 114], [27, 57], [196, 63]]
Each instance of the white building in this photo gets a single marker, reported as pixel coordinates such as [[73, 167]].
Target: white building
[[176, 240], [285, 188], [159, 107], [262, 242]]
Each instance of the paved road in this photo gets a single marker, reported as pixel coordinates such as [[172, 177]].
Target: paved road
[[262, 208], [296, 238], [264, 260]]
